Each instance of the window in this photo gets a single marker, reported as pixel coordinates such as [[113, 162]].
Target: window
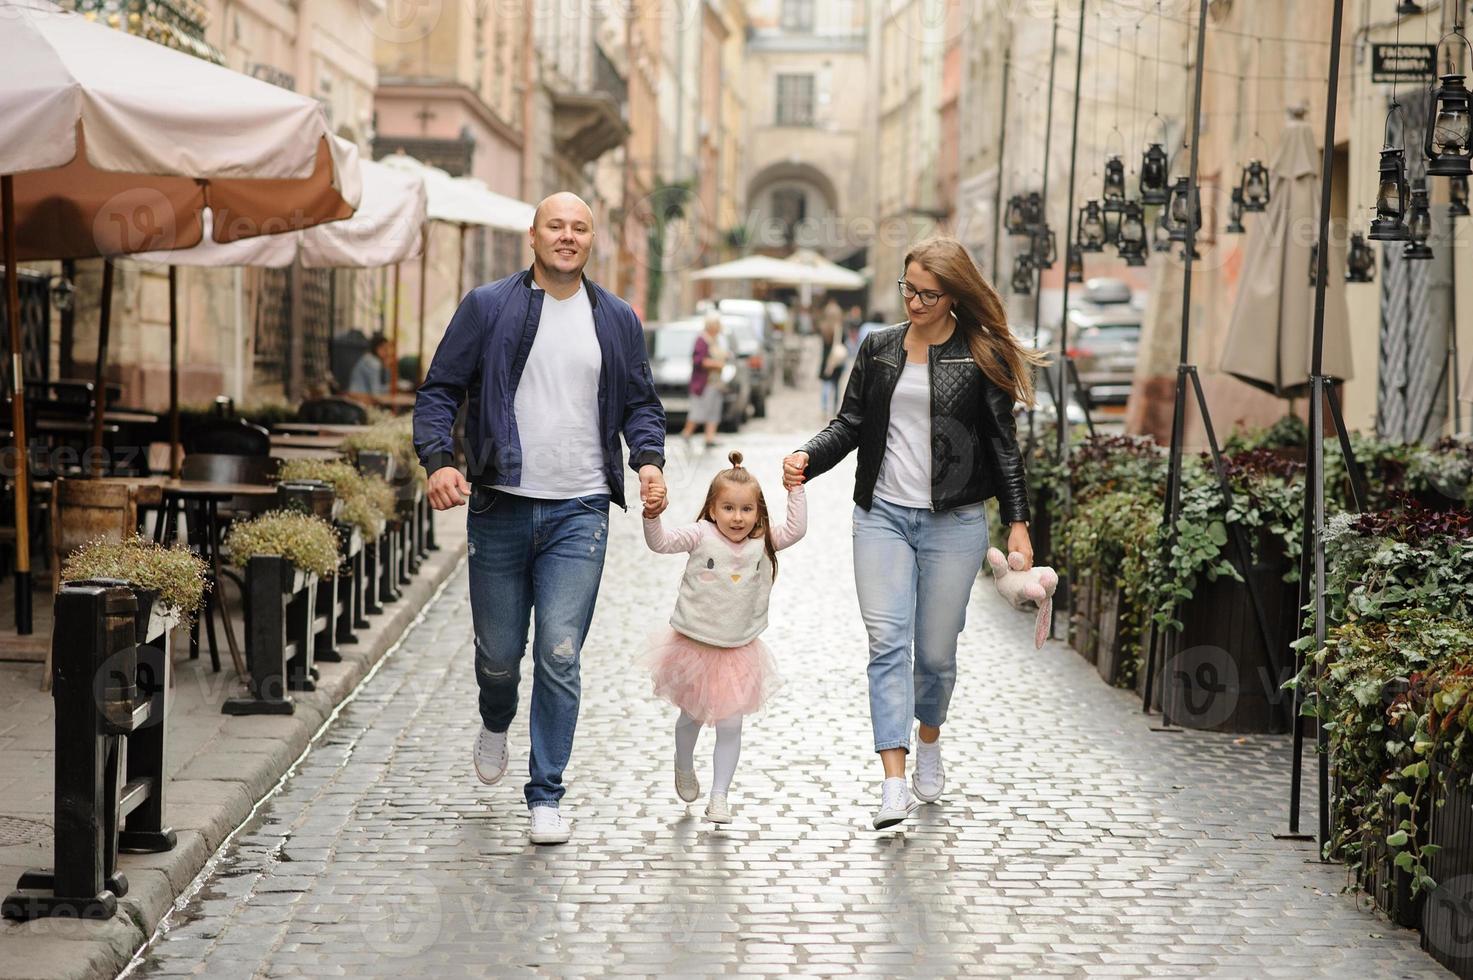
[[795, 100], [798, 16]]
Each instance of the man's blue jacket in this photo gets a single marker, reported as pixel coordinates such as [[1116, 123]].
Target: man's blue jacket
[[481, 358]]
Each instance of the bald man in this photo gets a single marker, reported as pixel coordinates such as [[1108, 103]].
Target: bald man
[[554, 369]]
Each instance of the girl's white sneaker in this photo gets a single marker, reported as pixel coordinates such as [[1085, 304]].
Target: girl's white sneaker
[[929, 778], [548, 826], [718, 810], [894, 803], [687, 784]]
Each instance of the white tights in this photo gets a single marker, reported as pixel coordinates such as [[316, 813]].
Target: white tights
[[724, 758]]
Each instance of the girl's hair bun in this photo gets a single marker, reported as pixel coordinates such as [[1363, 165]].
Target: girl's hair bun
[[735, 457]]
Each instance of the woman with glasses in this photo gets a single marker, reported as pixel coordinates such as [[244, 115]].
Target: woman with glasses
[[929, 406]]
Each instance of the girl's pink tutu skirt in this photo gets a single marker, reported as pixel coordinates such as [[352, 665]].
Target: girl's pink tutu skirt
[[711, 683]]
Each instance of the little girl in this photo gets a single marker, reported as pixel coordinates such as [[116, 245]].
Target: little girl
[[710, 664]]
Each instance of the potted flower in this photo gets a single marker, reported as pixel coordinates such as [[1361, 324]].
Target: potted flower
[[170, 582]]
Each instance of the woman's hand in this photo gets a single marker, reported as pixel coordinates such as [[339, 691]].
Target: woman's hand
[[793, 467], [1019, 541]]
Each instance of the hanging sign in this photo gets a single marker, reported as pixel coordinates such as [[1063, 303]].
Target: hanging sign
[[1403, 62]]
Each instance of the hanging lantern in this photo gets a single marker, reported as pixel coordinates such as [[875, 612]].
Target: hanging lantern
[[1022, 281], [1074, 269], [1449, 140], [1457, 206], [1161, 233], [1360, 260], [1154, 165], [1389, 225], [1254, 187], [1419, 226], [1045, 248], [1033, 209], [1180, 214], [1014, 218], [1091, 230], [1235, 213], [1114, 182], [1131, 241]]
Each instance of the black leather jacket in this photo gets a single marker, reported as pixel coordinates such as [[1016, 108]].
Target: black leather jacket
[[974, 441]]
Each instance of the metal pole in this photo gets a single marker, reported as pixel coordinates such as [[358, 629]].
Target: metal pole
[[1314, 485], [174, 371], [1002, 145], [1063, 413], [424, 287], [1048, 133], [17, 413], [99, 394], [394, 341]]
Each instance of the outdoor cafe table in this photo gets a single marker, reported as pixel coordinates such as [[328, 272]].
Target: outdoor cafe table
[[297, 440]]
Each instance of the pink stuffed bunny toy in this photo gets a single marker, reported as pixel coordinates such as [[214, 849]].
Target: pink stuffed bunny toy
[[1019, 587]]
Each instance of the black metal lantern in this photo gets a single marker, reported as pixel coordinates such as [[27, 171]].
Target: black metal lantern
[[63, 293], [1154, 172], [1419, 225], [1161, 233], [1182, 213], [1014, 218], [1457, 206], [1033, 209], [1449, 139], [1131, 242], [1045, 248], [1235, 213], [1090, 232], [1114, 181], [1389, 225], [1253, 186], [1022, 281], [1360, 260], [1074, 268]]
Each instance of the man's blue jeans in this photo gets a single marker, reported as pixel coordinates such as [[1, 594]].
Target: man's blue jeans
[[544, 555], [913, 571]]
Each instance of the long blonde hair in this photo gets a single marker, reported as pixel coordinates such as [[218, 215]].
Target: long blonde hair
[[739, 475], [980, 315]]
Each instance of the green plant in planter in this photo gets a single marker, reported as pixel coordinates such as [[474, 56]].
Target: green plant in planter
[[394, 436], [1289, 432], [308, 542], [368, 501], [176, 574]]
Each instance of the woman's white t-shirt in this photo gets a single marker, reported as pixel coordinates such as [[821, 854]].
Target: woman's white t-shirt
[[905, 472]]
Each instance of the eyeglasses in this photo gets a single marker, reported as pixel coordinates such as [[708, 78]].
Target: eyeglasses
[[929, 297]]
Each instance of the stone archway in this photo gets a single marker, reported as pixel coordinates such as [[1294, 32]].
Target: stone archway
[[793, 205]]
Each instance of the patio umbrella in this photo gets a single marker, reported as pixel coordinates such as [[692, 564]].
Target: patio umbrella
[[1268, 337], [830, 275], [802, 268], [117, 145], [463, 202], [386, 229]]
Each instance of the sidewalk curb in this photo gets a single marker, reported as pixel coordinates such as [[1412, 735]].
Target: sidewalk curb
[[208, 798]]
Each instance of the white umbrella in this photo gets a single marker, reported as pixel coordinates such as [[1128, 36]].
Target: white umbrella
[[114, 145], [809, 270], [758, 267], [1268, 338], [830, 275]]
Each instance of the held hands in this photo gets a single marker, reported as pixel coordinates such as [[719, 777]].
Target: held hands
[[652, 490], [448, 488], [793, 467], [1019, 541]]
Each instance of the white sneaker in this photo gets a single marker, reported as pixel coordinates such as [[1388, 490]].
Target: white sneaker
[[548, 826], [929, 778], [894, 803], [687, 784], [491, 756], [718, 810]]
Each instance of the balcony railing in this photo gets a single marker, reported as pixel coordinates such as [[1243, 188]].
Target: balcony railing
[[178, 24]]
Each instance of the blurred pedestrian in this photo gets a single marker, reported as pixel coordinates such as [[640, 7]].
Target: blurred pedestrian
[[832, 357], [707, 393], [370, 377]]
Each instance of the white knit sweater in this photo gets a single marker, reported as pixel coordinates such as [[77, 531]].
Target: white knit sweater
[[723, 596]]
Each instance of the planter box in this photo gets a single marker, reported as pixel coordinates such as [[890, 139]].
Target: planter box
[[1083, 628], [1219, 676], [1447, 913], [1387, 885], [279, 612], [349, 584]]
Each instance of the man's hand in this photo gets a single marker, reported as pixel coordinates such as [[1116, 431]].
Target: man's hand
[[652, 489], [793, 467], [1019, 541], [448, 488]]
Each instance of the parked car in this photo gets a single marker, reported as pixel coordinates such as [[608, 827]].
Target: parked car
[[1105, 346], [759, 343], [671, 346]]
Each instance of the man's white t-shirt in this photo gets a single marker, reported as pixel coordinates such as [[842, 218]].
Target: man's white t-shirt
[[557, 404], [905, 471]]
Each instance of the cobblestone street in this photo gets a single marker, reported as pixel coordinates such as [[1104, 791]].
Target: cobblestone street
[[1071, 841]]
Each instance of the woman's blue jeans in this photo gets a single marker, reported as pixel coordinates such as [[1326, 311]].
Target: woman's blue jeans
[[914, 570], [544, 555]]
